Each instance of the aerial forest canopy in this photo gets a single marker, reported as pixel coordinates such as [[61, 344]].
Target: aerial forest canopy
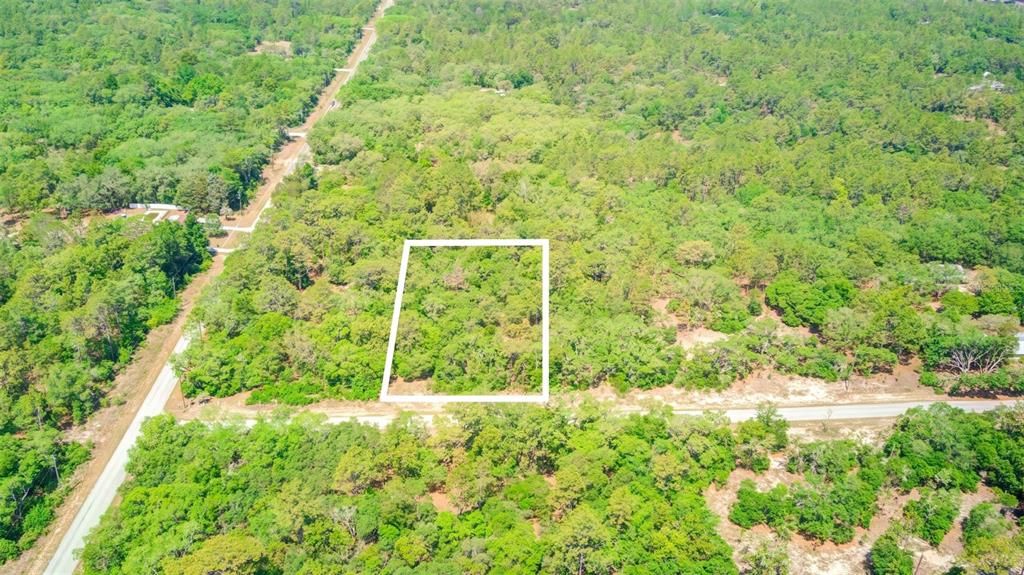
[[520, 490], [484, 299], [103, 103], [116, 101], [75, 304], [512, 490], [825, 190], [839, 187]]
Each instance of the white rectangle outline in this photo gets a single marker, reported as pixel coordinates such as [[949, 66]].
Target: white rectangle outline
[[430, 398]]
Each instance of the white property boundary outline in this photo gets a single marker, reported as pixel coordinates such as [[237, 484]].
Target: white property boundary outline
[[431, 398]]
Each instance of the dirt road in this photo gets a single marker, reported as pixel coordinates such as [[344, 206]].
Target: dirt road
[[288, 157], [106, 471], [381, 414]]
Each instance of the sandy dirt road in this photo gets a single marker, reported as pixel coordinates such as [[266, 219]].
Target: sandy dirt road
[[98, 488], [289, 157], [381, 414]]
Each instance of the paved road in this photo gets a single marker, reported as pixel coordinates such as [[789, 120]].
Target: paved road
[[105, 489], [103, 493]]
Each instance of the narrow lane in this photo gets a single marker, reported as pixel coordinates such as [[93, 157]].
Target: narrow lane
[[858, 410], [374, 414], [103, 492], [105, 489]]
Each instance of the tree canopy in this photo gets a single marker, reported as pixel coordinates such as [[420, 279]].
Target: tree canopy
[[691, 165], [519, 489], [487, 490], [121, 101], [75, 303]]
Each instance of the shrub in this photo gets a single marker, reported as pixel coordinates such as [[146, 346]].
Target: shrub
[[932, 516], [984, 522], [868, 360], [813, 360], [806, 304], [752, 507], [930, 379], [957, 304], [757, 438], [8, 550], [37, 519], [888, 558], [1003, 380], [829, 459]]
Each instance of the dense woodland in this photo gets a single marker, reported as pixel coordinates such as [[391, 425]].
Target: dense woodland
[[532, 490], [486, 300], [104, 103], [75, 302], [524, 490], [836, 186], [115, 101], [858, 175]]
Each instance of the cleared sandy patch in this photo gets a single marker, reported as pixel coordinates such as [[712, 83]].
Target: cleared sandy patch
[[686, 337], [810, 557], [442, 502], [401, 386], [275, 47]]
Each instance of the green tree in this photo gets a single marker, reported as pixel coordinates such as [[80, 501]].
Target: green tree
[[932, 516], [579, 546], [768, 559], [231, 554], [888, 558]]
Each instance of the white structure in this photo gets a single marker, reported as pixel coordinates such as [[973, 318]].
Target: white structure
[[431, 398], [1020, 344], [165, 207]]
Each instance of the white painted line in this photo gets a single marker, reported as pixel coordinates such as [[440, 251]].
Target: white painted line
[[165, 207], [403, 269], [545, 314], [522, 398], [475, 243]]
